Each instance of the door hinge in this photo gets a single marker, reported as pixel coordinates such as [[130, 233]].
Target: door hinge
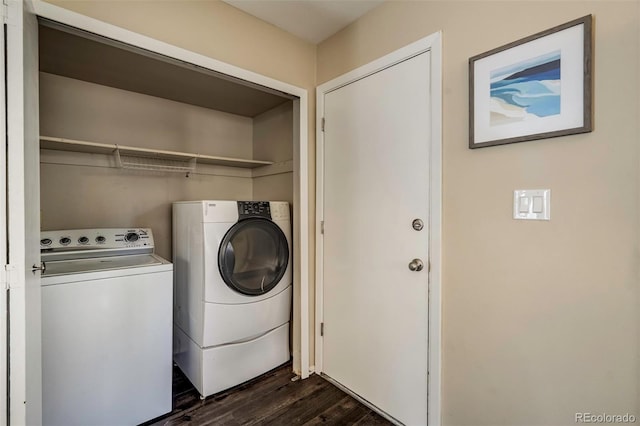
[[4, 9], [6, 276], [321, 329], [322, 227], [322, 124], [8, 12]]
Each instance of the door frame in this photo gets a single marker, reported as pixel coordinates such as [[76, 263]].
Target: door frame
[[432, 44], [4, 288], [21, 273]]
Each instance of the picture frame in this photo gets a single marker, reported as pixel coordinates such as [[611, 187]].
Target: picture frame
[[535, 88]]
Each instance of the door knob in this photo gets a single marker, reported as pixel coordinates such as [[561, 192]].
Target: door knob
[[416, 265]]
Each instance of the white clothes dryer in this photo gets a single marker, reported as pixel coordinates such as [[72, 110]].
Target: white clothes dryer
[[233, 287]]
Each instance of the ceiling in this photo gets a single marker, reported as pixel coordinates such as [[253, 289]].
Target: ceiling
[[311, 20]]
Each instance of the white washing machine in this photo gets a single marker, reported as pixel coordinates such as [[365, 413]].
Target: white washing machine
[[233, 287], [106, 328]]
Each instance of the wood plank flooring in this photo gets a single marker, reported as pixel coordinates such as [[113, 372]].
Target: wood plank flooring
[[271, 399]]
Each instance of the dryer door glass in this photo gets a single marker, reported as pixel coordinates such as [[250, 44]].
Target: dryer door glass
[[253, 256]]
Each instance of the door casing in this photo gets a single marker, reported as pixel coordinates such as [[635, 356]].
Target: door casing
[[432, 43], [23, 217], [4, 315]]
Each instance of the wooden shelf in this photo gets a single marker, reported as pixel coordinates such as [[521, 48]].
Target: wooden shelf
[[61, 144]]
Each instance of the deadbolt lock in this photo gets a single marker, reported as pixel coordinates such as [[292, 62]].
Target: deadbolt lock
[[417, 224]]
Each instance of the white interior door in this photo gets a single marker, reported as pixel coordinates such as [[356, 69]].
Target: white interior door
[[23, 216], [376, 183]]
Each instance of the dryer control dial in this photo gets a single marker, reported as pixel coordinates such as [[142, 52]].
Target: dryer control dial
[[132, 237]]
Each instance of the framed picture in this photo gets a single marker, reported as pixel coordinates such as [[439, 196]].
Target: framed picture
[[535, 88]]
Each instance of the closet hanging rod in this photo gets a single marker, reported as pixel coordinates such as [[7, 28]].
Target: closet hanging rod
[[62, 144]]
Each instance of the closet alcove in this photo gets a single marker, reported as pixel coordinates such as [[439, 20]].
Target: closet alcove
[[125, 132]]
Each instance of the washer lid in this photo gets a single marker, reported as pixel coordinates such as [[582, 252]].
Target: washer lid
[[76, 266]]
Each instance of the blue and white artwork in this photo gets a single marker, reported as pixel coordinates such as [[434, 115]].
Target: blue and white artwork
[[528, 90]]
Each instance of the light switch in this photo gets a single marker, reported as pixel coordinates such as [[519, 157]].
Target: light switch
[[532, 204], [538, 204], [524, 205]]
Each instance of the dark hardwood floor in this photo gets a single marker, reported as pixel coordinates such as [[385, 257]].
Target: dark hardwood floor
[[271, 399]]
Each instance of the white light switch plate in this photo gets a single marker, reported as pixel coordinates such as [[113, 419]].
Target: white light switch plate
[[532, 204]]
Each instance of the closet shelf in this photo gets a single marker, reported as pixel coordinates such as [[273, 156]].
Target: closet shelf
[[61, 144]]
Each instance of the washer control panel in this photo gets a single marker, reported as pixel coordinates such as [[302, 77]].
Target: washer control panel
[[88, 239], [247, 209]]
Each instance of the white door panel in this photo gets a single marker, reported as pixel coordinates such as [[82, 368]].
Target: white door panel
[[376, 182], [23, 207]]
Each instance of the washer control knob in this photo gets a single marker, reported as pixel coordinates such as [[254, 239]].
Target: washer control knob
[[132, 237], [83, 240], [65, 241], [45, 242], [100, 239]]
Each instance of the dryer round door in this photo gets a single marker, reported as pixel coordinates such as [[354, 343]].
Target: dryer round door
[[253, 256]]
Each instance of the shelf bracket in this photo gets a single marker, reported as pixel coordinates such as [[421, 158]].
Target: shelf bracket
[[192, 166], [116, 154]]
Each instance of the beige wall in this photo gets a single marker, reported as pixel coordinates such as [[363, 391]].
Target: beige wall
[[99, 197], [273, 141], [87, 191], [214, 29], [77, 109], [272, 134], [541, 319]]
